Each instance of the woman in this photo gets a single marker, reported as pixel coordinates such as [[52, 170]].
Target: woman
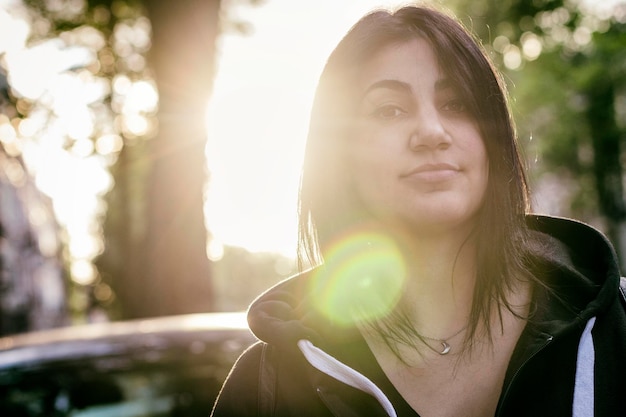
[[436, 294]]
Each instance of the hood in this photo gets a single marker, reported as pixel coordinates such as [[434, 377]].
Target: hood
[[571, 258], [283, 315], [579, 268]]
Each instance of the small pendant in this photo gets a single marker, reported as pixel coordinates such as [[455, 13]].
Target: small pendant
[[445, 348]]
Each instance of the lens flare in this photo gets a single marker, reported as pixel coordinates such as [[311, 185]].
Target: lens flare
[[362, 279]]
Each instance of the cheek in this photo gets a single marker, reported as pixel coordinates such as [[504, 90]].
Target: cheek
[[475, 149], [367, 172]]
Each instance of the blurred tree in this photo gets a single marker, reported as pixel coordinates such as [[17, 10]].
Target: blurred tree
[[240, 276], [160, 265], [32, 282], [164, 268], [156, 231], [569, 98], [32, 277], [123, 61], [53, 122]]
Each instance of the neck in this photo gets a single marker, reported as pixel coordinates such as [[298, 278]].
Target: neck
[[440, 285]]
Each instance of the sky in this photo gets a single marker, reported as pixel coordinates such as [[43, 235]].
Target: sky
[[258, 117]]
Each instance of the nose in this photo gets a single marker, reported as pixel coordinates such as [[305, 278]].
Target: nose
[[428, 133]]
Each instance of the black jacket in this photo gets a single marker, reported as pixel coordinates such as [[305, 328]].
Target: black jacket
[[569, 360]]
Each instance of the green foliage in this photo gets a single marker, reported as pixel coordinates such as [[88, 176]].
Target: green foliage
[[100, 14], [565, 93]]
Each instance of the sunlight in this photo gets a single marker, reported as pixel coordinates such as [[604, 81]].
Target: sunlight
[[13, 32], [258, 116], [254, 170]]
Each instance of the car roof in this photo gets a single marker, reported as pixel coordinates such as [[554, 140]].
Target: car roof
[[190, 331]]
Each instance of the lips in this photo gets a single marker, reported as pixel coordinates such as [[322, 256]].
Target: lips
[[432, 172]]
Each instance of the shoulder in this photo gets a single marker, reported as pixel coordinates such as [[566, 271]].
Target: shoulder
[[622, 295], [254, 387], [575, 248], [284, 314], [239, 393], [572, 232]]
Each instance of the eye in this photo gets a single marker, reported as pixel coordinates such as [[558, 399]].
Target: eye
[[455, 106], [388, 111]]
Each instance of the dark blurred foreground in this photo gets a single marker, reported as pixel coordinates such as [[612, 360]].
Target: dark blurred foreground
[[171, 366]]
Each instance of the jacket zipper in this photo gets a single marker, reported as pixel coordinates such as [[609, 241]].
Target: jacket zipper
[[508, 388]]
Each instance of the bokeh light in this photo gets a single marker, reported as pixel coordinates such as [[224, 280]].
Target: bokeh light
[[66, 133]]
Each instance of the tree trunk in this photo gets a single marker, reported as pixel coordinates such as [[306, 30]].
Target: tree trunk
[[169, 266], [607, 152]]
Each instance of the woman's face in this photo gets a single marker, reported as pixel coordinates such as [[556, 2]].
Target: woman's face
[[417, 158]]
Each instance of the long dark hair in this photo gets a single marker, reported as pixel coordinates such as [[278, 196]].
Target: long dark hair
[[501, 232]]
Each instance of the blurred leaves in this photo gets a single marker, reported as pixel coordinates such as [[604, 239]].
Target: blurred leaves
[[564, 62], [71, 74]]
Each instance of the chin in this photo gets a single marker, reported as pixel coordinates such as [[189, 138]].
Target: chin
[[441, 221]]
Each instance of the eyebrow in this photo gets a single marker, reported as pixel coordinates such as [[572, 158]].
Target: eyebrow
[[401, 86], [395, 85]]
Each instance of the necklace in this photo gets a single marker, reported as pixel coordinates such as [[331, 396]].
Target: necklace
[[445, 346]]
